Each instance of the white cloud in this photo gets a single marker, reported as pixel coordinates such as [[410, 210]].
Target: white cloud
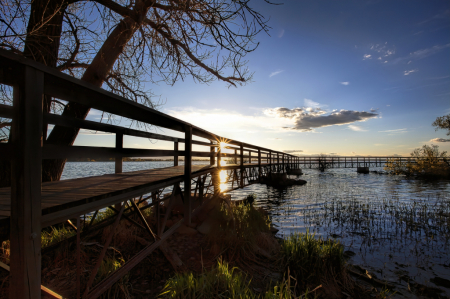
[[345, 83], [275, 73], [439, 140], [406, 73], [356, 128], [367, 56], [307, 118]]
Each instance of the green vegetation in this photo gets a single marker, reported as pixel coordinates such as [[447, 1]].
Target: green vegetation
[[239, 230], [426, 161], [55, 235], [221, 282], [310, 259]]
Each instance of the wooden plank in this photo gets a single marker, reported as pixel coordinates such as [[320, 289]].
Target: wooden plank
[[51, 151], [96, 126], [6, 111], [25, 228]]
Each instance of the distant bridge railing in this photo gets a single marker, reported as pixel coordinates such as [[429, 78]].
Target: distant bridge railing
[[355, 162]]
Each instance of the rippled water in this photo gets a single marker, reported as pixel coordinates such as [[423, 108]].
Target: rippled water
[[416, 258]]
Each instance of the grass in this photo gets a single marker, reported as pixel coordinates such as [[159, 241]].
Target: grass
[[221, 281], [55, 235], [311, 260], [240, 231]]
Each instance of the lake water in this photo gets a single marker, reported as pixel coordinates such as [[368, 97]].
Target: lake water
[[396, 228]]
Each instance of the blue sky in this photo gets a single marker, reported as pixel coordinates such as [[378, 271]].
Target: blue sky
[[343, 77]]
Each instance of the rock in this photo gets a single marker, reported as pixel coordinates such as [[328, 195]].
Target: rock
[[186, 230]]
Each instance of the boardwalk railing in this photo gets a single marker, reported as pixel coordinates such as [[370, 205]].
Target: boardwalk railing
[[27, 148]]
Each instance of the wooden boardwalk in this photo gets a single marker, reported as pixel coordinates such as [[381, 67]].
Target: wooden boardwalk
[[64, 199]]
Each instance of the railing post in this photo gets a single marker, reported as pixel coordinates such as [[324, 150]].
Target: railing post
[[175, 155], [241, 155], [259, 163], [119, 160], [187, 174], [278, 162], [26, 177], [212, 150]]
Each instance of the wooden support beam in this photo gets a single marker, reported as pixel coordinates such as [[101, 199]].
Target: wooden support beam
[[187, 175], [175, 156], [25, 228]]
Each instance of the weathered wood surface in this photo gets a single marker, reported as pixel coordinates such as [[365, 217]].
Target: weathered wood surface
[[65, 194]]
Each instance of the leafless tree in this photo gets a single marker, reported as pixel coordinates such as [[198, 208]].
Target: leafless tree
[[122, 44]]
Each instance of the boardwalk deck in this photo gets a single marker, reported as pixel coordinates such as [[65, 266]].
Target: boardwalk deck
[[68, 198], [90, 193]]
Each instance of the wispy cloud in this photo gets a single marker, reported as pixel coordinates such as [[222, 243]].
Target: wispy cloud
[[406, 73], [307, 118], [345, 83], [442, 15], [292, 151], [439, 140], [395, 131], [356, 128], [367, 56], [422, 53], [275, 73]]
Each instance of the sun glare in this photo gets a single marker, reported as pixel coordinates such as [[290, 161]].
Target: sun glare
[[222, 145]]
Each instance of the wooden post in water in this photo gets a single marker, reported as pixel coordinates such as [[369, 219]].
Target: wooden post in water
[[187, 174], [26, 177], [175, 156]]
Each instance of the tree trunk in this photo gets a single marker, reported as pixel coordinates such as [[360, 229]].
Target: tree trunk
[[42, 45], [95, 74]]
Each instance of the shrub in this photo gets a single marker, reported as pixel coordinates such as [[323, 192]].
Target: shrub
[[426, 161]]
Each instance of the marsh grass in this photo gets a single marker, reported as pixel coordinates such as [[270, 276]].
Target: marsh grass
[[240, 231], [222, 281], [417, 222]]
